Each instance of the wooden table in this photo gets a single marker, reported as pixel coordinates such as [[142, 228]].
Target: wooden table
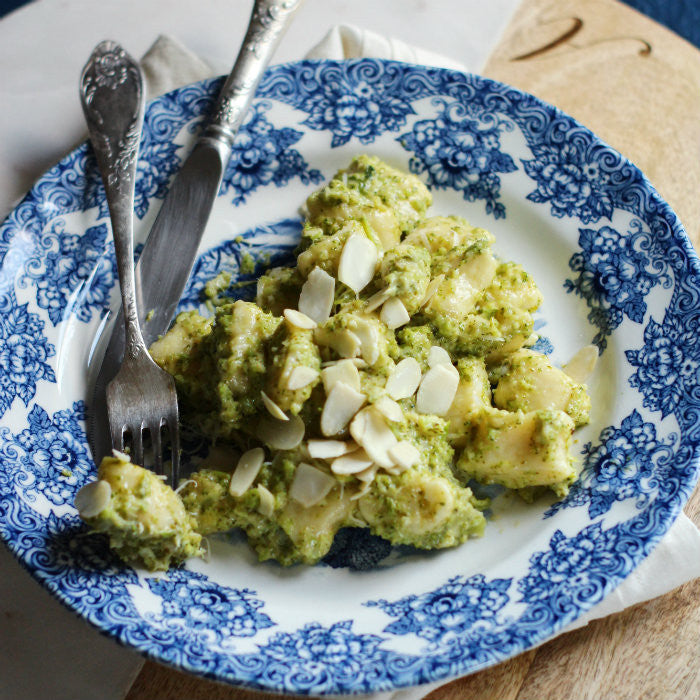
[[637, 86]]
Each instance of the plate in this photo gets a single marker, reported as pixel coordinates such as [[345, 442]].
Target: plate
[[615, 268]]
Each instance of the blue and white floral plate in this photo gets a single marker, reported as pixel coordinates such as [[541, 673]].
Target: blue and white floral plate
[[615, 267]]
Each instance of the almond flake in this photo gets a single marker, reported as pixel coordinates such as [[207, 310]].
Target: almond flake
[[394, 313], [344, 342], [367, 475], [329, 449], [393, 471], [352, 463], [317, 294], [357, 361], [266, 506], [274, 410], [370, 431], [358, 262], [347, 344], [358, 426], [246, 471], [404, 454], [341, 371], [93, 498], [300, 377], [404, 380], [389, 409], [366, 484], [437, 390], [431, 289], [300, 320], [310, 485], [581, 365], [279, 434], [376, 300], [342, 403], [438, 355], [368, 334]]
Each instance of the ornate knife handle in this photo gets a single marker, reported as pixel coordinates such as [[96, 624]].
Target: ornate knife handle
[[112, 96], [268, 22]]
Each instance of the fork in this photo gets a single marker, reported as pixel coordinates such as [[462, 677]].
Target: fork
[[141, 399]]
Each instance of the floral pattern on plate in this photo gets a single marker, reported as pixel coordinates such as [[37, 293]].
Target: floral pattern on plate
[[460, 149]]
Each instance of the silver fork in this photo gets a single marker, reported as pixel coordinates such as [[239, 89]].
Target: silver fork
[[141, 398]]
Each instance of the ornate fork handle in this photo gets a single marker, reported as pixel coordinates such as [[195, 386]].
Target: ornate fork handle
[[112, 96], [268, 22]]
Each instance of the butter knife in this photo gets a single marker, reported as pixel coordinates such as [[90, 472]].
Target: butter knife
[[169, 251]]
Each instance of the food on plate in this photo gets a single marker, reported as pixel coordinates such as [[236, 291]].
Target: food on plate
[[368, 386], [145, 520]]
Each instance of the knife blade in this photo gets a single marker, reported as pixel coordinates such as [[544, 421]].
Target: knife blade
[[169, 252]]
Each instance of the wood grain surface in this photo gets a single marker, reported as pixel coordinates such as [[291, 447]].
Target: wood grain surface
[[637, 86]]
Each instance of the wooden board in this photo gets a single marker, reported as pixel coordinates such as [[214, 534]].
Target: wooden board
[[637, 86]]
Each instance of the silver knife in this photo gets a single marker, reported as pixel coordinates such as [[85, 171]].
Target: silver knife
[[169, 252]]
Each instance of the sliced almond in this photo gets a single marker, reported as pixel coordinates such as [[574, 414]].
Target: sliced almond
[[437, 390], [317, 294], [310, 485], [93, 498], [328, 449], [300, 377], [394, 313], [368, 334], [347, 344], [377, 299], [404, 380], [389, 409], [367, 476], [352, 463], [343, 341], [370, 430], [358, 262], [393, 471], [279, 434], [342, 403], [404, 454], [581, 365], [366, 485], [357, 361], [246, 471], [342, 371], [433, 286], [300, 320], [266, 506], [274, 410], [438, 355]]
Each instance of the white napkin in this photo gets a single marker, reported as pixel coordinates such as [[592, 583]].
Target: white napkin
[[168, 64], [347, 41]]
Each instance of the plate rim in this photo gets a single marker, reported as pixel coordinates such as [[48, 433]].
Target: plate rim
[[663, 209]]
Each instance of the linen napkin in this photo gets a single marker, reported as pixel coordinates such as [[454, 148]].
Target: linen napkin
[[677, 557]]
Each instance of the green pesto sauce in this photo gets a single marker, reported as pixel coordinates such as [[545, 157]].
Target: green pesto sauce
[[480, 312], [144, 520]]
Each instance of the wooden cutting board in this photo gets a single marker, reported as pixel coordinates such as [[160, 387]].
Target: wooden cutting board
[[637, 86]]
